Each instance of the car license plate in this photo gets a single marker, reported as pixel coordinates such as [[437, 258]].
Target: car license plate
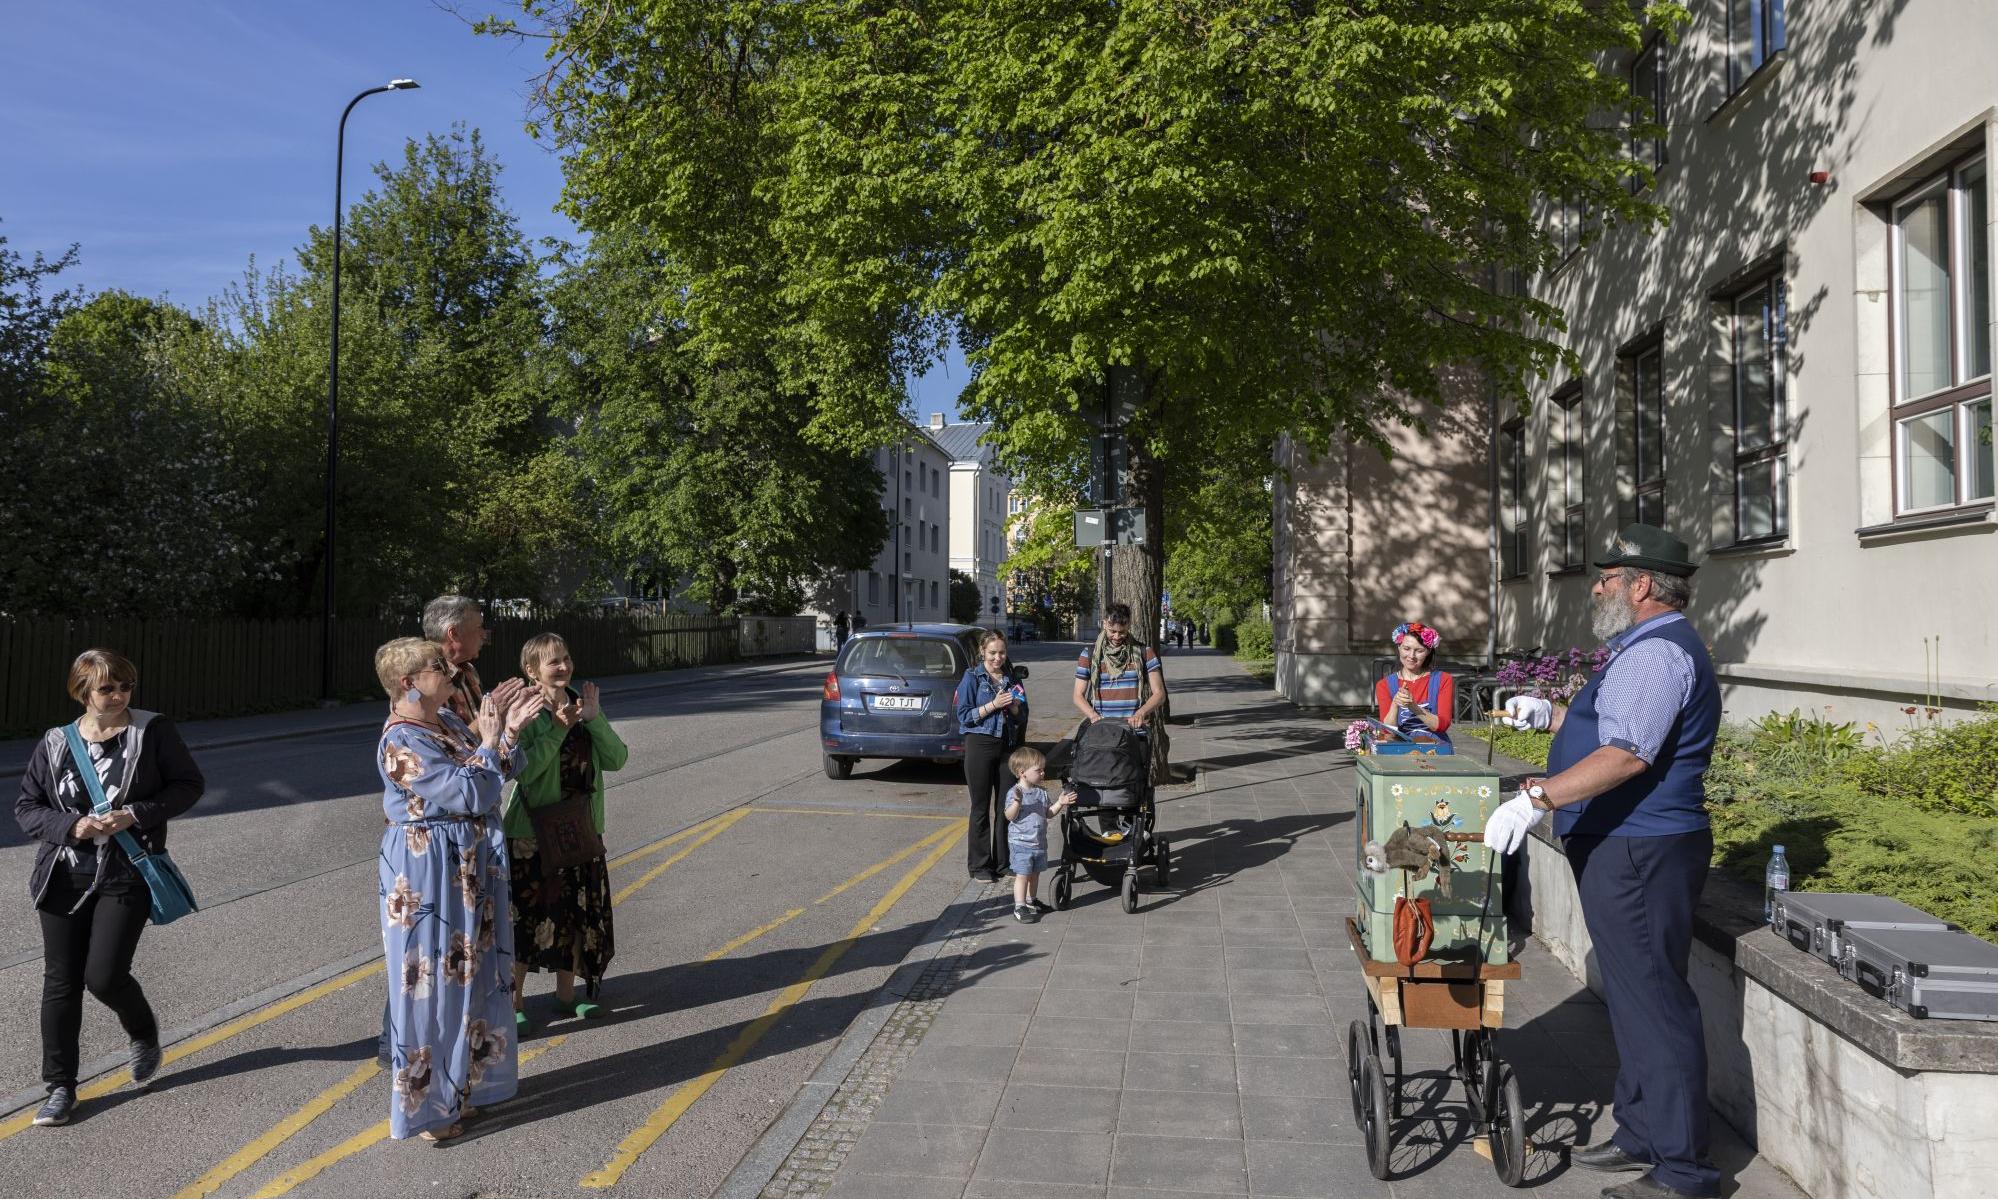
[[898, 703]]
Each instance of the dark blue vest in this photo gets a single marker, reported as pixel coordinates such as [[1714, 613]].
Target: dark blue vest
[[1670, 797]]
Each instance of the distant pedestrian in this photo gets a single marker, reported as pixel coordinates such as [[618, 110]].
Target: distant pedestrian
[[555, 835], [443, 891], [992, 716], [457, 623], [92, 903], [859, 620], [840, 628], [1027, 815]]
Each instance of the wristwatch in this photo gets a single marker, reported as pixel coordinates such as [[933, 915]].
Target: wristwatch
[[1537, 796]]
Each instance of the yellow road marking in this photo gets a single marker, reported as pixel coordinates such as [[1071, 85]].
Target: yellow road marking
[[646, 851], [715, 829], [306, 1171], [882, 813], [686, 1094], [279, 1133], [214, 1036], [794, 913]]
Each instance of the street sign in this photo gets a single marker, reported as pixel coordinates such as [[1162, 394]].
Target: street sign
[[1130, 526], [1089, 528]]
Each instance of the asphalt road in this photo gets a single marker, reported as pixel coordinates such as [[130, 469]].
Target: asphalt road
[[759, 907]]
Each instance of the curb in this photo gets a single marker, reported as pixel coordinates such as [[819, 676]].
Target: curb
[[230, 740], [760, 1164]]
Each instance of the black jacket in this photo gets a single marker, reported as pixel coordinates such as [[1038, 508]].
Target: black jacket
[[161, 781]]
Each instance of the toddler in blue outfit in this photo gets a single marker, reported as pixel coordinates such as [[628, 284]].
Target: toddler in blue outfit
[[1027, 812]]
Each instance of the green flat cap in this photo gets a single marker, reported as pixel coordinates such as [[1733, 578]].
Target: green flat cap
[[1649, 547]]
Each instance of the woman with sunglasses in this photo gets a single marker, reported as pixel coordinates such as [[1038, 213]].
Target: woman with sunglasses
[[443, 889], [91, 901]]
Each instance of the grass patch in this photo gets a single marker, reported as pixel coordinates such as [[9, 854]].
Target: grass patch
[[1263, 669], [1524, 744]]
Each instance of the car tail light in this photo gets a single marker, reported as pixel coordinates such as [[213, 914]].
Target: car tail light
[[831, 688]]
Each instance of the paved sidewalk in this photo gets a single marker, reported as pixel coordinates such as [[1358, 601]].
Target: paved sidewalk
[[220, 732], [1199, 1045]]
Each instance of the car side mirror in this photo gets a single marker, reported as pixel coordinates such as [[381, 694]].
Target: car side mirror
[[1020, 672]]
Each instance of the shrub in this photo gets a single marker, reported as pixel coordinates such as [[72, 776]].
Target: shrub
[[1948, 768], [1813, 735], [1524, 744], [1255, 639]]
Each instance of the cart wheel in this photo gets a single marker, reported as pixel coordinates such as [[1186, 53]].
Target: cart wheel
[[1469, 1050], [1131, 889], [1508, 1127], [1374, 1124], [1394, 1078], [1162, 862], [1358, 1047], [1064, 889]]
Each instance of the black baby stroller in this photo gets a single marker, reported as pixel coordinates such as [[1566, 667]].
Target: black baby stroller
[[1109, 833]]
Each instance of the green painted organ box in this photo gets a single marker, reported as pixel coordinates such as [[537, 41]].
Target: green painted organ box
[[1457, 794]]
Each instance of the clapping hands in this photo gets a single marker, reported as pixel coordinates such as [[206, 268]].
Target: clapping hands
[[1064, 800]]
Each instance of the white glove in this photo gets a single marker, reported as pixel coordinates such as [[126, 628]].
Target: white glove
[[1506, 827], [1528, 712]]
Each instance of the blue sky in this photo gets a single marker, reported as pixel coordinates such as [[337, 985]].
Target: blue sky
[[174, 141]]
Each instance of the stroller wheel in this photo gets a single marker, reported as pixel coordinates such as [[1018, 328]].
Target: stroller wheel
[[1162, 862], [1064, 889], [1131, 889]]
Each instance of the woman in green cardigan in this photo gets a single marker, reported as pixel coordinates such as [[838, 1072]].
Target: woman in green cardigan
[[554, 825]]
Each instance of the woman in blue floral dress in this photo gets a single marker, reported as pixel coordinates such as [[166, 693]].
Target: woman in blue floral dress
[[443, 868]]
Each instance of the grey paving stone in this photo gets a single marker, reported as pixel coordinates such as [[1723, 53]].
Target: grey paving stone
[[1314, 1076], [1300, 1168], [1180, 1005], [930, 1150], [1288, 1040], [1212, 980], [1291, 938], [1181, 1036], [1236, 901], [1180, 1114], [976, 1028], [1092, 976], [1245, 918], [1182, 934], [1100, 1005], [1279, 1009], [1271, 957], [1179, 1163], [1122, 953], [1179, 1072], [1059, 1158], [999, 1188], [1180, 957], [1078, 1032], [1069, 1068], [938, 1101], [1009, 1000], [1273, 982], [1059, 1109], [957, 1063], [884, 1186], [1299, 1118]]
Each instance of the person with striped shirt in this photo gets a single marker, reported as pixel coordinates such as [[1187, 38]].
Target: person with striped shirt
[[1119, 678]]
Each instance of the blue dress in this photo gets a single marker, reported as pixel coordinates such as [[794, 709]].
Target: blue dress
[[445, 931]]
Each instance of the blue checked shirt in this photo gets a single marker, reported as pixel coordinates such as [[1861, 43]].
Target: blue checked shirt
[[1643, 690]]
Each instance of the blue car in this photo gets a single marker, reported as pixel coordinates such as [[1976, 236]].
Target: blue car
[[892, 694]]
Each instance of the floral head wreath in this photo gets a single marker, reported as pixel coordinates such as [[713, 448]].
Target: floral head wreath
[[1422, 632]]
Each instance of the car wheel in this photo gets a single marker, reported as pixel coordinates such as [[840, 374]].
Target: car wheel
[[837, 767]]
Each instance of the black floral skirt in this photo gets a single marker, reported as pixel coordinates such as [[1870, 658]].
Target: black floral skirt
[[561, 921]]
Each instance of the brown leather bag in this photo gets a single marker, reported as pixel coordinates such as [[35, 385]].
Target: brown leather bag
[[564, 835], [1414, 928]]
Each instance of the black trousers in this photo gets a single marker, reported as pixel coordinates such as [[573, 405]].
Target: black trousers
[[1637, 898], [90, 950], [988, 778]]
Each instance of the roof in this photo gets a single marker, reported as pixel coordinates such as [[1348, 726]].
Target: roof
[[963, 442]]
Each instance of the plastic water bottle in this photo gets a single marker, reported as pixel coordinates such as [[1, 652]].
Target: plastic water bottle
[[1775, 879]]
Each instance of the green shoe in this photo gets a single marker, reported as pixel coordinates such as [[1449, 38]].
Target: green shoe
[[521, 1024], [582, 1009]]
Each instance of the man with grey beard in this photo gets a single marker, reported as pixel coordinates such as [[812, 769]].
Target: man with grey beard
[[1626, 781]]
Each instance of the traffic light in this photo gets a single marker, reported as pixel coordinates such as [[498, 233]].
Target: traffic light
[[995, 605]]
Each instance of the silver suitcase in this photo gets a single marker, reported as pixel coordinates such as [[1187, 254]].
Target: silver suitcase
[[1930, 975], [1813, 921]]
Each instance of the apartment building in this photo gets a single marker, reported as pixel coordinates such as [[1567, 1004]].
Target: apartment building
[[978, 503]]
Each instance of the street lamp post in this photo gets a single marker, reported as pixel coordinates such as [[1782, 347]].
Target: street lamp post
[[333, 391]]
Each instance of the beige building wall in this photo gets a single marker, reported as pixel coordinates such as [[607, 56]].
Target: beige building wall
[[1858, 607]]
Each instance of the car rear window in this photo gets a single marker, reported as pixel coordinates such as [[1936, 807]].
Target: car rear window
[[925, 656]]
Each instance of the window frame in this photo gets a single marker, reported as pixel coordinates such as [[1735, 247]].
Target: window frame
[[1514, 542], [1773, 290], [1772, 35], [1962, 393], [1655, 51], [1569, 461], [1643, 486]]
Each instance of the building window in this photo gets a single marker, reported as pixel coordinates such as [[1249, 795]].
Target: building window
[[908, 560], [1754, 32], [1758, 336], [933, 593], [936, 542], [1565, 221], [1512, 499], [1941, 340], [1570, 513], [1647, 90], [873, 587], [1644, 375]]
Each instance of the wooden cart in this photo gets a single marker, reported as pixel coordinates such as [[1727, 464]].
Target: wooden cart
[[1468, 998]]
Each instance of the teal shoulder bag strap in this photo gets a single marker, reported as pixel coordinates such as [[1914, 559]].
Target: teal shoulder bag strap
[[172, 897]]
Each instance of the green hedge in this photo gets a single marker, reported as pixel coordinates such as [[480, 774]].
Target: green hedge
[[1254, 639]]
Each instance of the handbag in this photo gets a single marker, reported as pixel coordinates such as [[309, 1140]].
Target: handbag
[[172, 898], [1414, 928], [564, 835]]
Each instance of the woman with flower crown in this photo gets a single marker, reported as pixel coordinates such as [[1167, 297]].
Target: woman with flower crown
[[1413, 697]]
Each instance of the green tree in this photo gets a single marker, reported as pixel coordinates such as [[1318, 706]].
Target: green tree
[[1278, 217], [964, 598], [697, 470], [27, 317], [1219, 556], [1049, 574]]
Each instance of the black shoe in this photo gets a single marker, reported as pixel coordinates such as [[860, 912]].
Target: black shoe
[[57, 1107], [1043, 907], [984, 876], [1648, 1187], [1608, 1156], [1025, 914], [145, 1062]]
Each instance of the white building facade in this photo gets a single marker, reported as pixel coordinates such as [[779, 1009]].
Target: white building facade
[[978, 509], [910, 579]]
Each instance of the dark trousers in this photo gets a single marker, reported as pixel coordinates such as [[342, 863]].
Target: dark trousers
[[1637, 898], [988, 778], [90, 950]]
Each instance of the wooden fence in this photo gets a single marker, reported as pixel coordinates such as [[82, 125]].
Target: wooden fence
[[228, 667]]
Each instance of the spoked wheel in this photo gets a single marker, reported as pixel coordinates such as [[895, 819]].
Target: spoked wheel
[[1393, 1040], [1064, 888], [1374, 1122], [1131, 889], [1358, 1047], [1508, 1125], [1162, 862], [1472, 1052]]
